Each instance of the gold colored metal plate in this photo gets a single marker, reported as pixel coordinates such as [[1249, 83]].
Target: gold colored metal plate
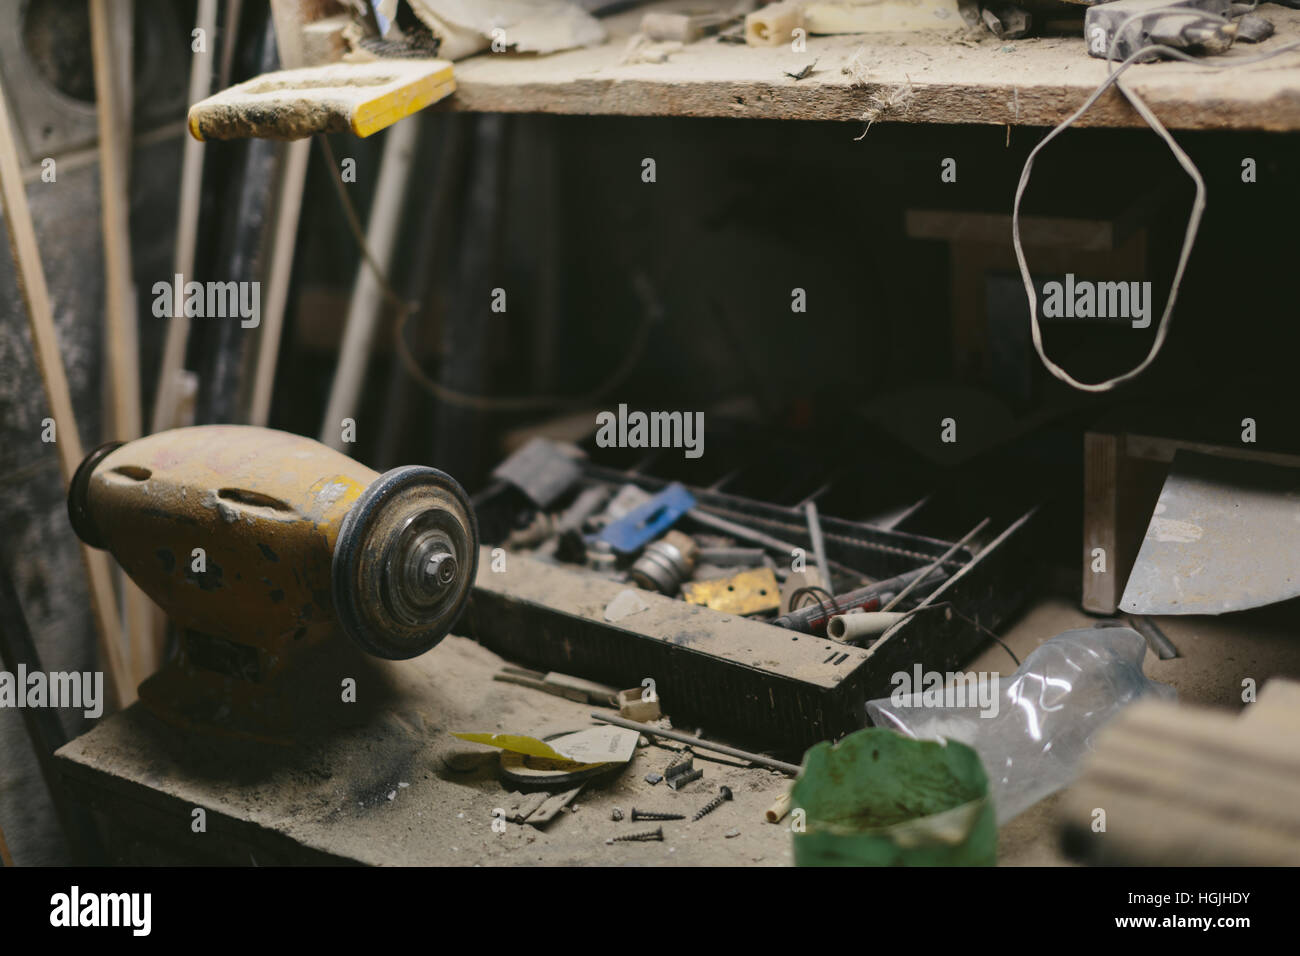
[[749, 592]]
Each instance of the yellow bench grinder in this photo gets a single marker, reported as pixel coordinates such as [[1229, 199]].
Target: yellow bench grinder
[[257, 543]]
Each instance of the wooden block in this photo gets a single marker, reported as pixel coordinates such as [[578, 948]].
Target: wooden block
[[293, 18], [1192, 786], [882, 17], [323, 41], [1119, 494], [292, 104], [551, 806], [774, 25], [523, 806], [683, 27], [631, 706]]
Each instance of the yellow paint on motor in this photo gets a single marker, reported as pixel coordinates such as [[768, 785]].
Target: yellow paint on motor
[[230, 529]]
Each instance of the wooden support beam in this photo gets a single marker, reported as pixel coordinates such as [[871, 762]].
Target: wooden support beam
[[167, 394], [112, 95], [31, 275]]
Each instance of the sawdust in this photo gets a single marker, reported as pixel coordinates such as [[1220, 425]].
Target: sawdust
[[641, 49], [895, 101]]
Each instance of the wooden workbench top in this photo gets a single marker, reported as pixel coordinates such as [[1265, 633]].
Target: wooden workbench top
[[915, 78], [383, 782], [339, 797]]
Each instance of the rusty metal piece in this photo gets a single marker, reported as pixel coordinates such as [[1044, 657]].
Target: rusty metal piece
[[665, 564], [682, 763], [682, 779], [749, 592]]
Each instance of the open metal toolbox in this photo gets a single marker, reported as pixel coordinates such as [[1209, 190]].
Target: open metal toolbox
[[742, 678]]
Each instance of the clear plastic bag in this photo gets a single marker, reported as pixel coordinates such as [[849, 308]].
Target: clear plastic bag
[[1035, 727]]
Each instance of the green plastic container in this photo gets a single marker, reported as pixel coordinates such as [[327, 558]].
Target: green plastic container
[[878, 798]]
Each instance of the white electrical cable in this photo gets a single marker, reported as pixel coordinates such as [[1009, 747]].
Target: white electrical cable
[[1193, 221]]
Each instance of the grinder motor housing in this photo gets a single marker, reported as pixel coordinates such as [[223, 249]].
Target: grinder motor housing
[[254, 540]]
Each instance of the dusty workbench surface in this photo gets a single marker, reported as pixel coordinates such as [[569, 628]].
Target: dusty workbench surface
[[384, 782], [963, 77]]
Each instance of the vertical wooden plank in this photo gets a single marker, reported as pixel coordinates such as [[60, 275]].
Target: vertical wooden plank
[[1101, 464], [187, 228], [112, 90], [31, 275], [123, 344]]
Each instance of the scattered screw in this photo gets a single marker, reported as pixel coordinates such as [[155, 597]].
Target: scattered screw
[[644, 837], [724, 794], [638, 815], [682, 779], [616, 815]]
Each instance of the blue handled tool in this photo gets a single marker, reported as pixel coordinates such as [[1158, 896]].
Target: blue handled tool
[[630, 533]]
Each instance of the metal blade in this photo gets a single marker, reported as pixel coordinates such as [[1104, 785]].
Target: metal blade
[[1225, 536]]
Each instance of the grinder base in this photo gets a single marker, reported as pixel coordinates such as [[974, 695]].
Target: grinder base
[[222, 688]]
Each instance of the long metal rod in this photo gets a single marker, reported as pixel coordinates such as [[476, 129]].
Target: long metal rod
[[1163, 647], [818, 543], [809, 618], [935, 564], [652, 731], [758, 537]]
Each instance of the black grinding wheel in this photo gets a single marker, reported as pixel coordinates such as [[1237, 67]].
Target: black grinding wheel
[[404, 563], [78, 505]]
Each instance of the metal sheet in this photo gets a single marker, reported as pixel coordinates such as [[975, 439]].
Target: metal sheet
[[1225, 536], [542, 469], [749, 592]]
